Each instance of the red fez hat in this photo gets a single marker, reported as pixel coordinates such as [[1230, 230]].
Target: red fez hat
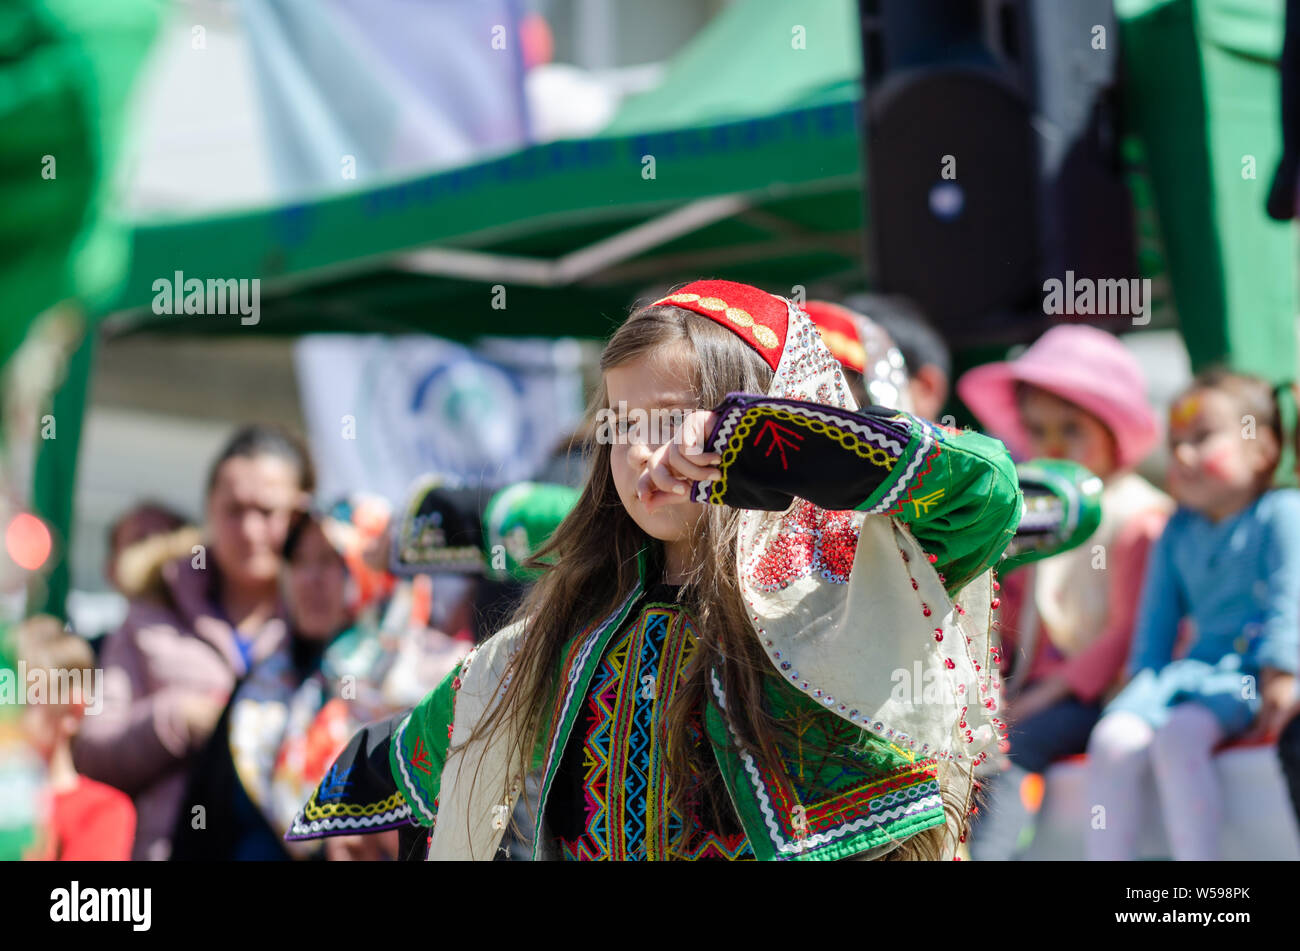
[[757, 317]]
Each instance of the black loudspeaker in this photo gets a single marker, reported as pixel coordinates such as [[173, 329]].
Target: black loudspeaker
[[991, 149]]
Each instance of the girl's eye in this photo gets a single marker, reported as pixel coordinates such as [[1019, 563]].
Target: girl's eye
[[632, 430]]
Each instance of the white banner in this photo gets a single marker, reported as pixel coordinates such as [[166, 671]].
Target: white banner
[[357, 90], [382, 410]]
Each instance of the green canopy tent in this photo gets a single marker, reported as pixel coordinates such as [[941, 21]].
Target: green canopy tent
[[756, 170], [572, 231], [744, 163]]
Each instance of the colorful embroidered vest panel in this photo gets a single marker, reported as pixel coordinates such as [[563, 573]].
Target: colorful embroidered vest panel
[[611, 798], [872, 794]]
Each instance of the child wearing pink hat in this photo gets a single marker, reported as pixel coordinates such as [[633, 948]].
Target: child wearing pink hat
[[1067, 621]]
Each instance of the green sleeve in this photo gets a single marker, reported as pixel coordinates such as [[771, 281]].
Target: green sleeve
[[957, 491], [1062, 510], [419, 749], [961, 499]]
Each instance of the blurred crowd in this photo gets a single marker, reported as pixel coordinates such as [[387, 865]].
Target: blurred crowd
[[258, 641], [254, 645]]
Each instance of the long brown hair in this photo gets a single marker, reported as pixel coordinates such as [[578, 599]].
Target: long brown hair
[[592, 559]]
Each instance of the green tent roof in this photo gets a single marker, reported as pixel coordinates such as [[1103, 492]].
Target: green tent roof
[[743, 161], [572, 230], [767, 192], [756, 177], [755, 58]]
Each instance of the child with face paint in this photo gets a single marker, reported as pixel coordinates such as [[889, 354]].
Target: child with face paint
[[1079, 395], [1228, 563]]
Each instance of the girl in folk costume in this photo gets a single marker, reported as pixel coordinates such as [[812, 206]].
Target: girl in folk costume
[[693, 677], [1076, 394]]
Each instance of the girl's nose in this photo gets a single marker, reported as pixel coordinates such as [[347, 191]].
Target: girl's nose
[[1185, 455], [638, 454]]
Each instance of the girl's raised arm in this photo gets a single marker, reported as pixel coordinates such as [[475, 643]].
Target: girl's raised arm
[[956, 491]]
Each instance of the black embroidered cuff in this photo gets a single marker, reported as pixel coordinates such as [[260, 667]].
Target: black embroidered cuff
[[357, 793], [775, 449]]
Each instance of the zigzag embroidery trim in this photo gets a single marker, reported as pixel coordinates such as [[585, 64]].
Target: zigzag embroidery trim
[[316, 809], [580, 661], [866, 432], [906, 794], [578, 664], [769, 817], [311, 829], [821, 838], [922, 452], [719, 444], [406, 777], [728, 424]]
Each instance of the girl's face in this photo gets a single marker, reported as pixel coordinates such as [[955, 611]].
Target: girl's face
[[248, 516], [650, 395], [1058, 429], [1213, 465], [317, 587]]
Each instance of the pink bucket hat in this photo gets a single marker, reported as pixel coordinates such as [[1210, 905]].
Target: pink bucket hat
[[1084, 365]]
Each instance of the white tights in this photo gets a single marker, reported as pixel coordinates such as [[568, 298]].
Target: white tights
[[1121, 748]]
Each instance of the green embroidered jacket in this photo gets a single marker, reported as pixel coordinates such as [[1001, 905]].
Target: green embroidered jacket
[[958, 494]]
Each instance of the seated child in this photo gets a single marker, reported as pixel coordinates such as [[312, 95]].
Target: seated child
[[86, 820], [1229, 560], [1067, 622]]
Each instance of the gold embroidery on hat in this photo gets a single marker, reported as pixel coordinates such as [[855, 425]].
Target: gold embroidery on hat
[[738, 316]]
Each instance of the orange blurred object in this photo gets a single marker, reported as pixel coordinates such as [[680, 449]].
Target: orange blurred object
[[421, 601], [27, 541], [1031, 792]]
